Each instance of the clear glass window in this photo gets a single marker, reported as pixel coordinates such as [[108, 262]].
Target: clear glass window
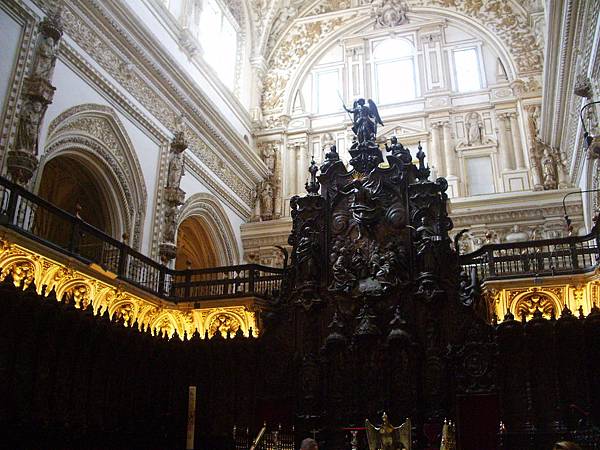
[[394, 71], [328, 88], [466, 66]]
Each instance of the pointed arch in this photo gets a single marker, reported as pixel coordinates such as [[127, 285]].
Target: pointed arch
[[94, 136]]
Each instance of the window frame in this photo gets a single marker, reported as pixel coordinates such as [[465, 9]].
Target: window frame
[[476, 46], [410, 38]]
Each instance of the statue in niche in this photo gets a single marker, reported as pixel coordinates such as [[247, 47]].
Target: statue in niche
[[170, 224], [268, 154], [44, 59], [473, 129], [29, 122], [307, 257], [365, 118], [532, 121], [175, 170], [266, 201], [548, 169]]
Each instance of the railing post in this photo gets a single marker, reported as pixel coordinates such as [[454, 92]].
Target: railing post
[[251, 281], [491, 265], [74, 239], [12, 207], [188, 282], [122, 261], [161, 282], [574, 258]]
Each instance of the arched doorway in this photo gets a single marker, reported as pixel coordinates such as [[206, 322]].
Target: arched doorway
[[70, 185], [195, 245]]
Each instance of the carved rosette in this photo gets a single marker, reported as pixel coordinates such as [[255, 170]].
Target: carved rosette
[[36, 95]]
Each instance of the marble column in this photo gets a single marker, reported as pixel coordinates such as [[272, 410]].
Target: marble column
[[516, 141], [436, 148], [302, 173], [292, 184], [505, 148], [449, 153], [37, 94]]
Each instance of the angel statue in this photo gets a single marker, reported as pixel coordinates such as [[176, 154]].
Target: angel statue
[[365, 118], [387, 436]]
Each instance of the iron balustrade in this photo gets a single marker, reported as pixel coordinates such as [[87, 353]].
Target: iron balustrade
[[43, 222], [548, 257]]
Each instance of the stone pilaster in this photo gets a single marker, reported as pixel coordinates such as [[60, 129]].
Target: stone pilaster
[[505, 147], [436, 150], [516, 141]]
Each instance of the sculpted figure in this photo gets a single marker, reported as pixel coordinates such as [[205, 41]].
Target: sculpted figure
[[388, 437], [175, 170], [266, 201], [27, 132], [306, 256], [473, 129], [365, 118], [268, 154], [44, 59], [548, 170]]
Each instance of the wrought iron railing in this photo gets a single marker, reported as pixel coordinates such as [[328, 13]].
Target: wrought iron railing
[[37, 219], [548, 257]]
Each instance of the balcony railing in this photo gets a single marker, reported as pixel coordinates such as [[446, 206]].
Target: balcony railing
[[548, 257], [37, 219]]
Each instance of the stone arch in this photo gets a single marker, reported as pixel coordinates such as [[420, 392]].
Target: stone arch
[[207, 209], [94, 136]]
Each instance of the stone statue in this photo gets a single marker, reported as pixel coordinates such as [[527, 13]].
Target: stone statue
[[473, 129], [268, 154], [548, 170], [44, 58], [29, 122], [532, 122], [365, 118], [175, 170], [266, 201]]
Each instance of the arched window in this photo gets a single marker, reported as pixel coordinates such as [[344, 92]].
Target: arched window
[[394, 71]]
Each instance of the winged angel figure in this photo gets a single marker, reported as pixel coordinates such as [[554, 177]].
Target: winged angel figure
[[365, 118], [387, 436]]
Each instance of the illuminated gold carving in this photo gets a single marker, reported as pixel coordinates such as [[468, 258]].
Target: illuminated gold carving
[[530, 303], [224, 323], [548, 294], [127, 306]]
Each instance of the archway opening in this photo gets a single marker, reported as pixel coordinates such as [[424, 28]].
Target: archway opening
[[196, 247], [70, 184]]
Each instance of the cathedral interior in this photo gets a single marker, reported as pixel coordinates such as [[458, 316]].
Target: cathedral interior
[[236, 224]]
